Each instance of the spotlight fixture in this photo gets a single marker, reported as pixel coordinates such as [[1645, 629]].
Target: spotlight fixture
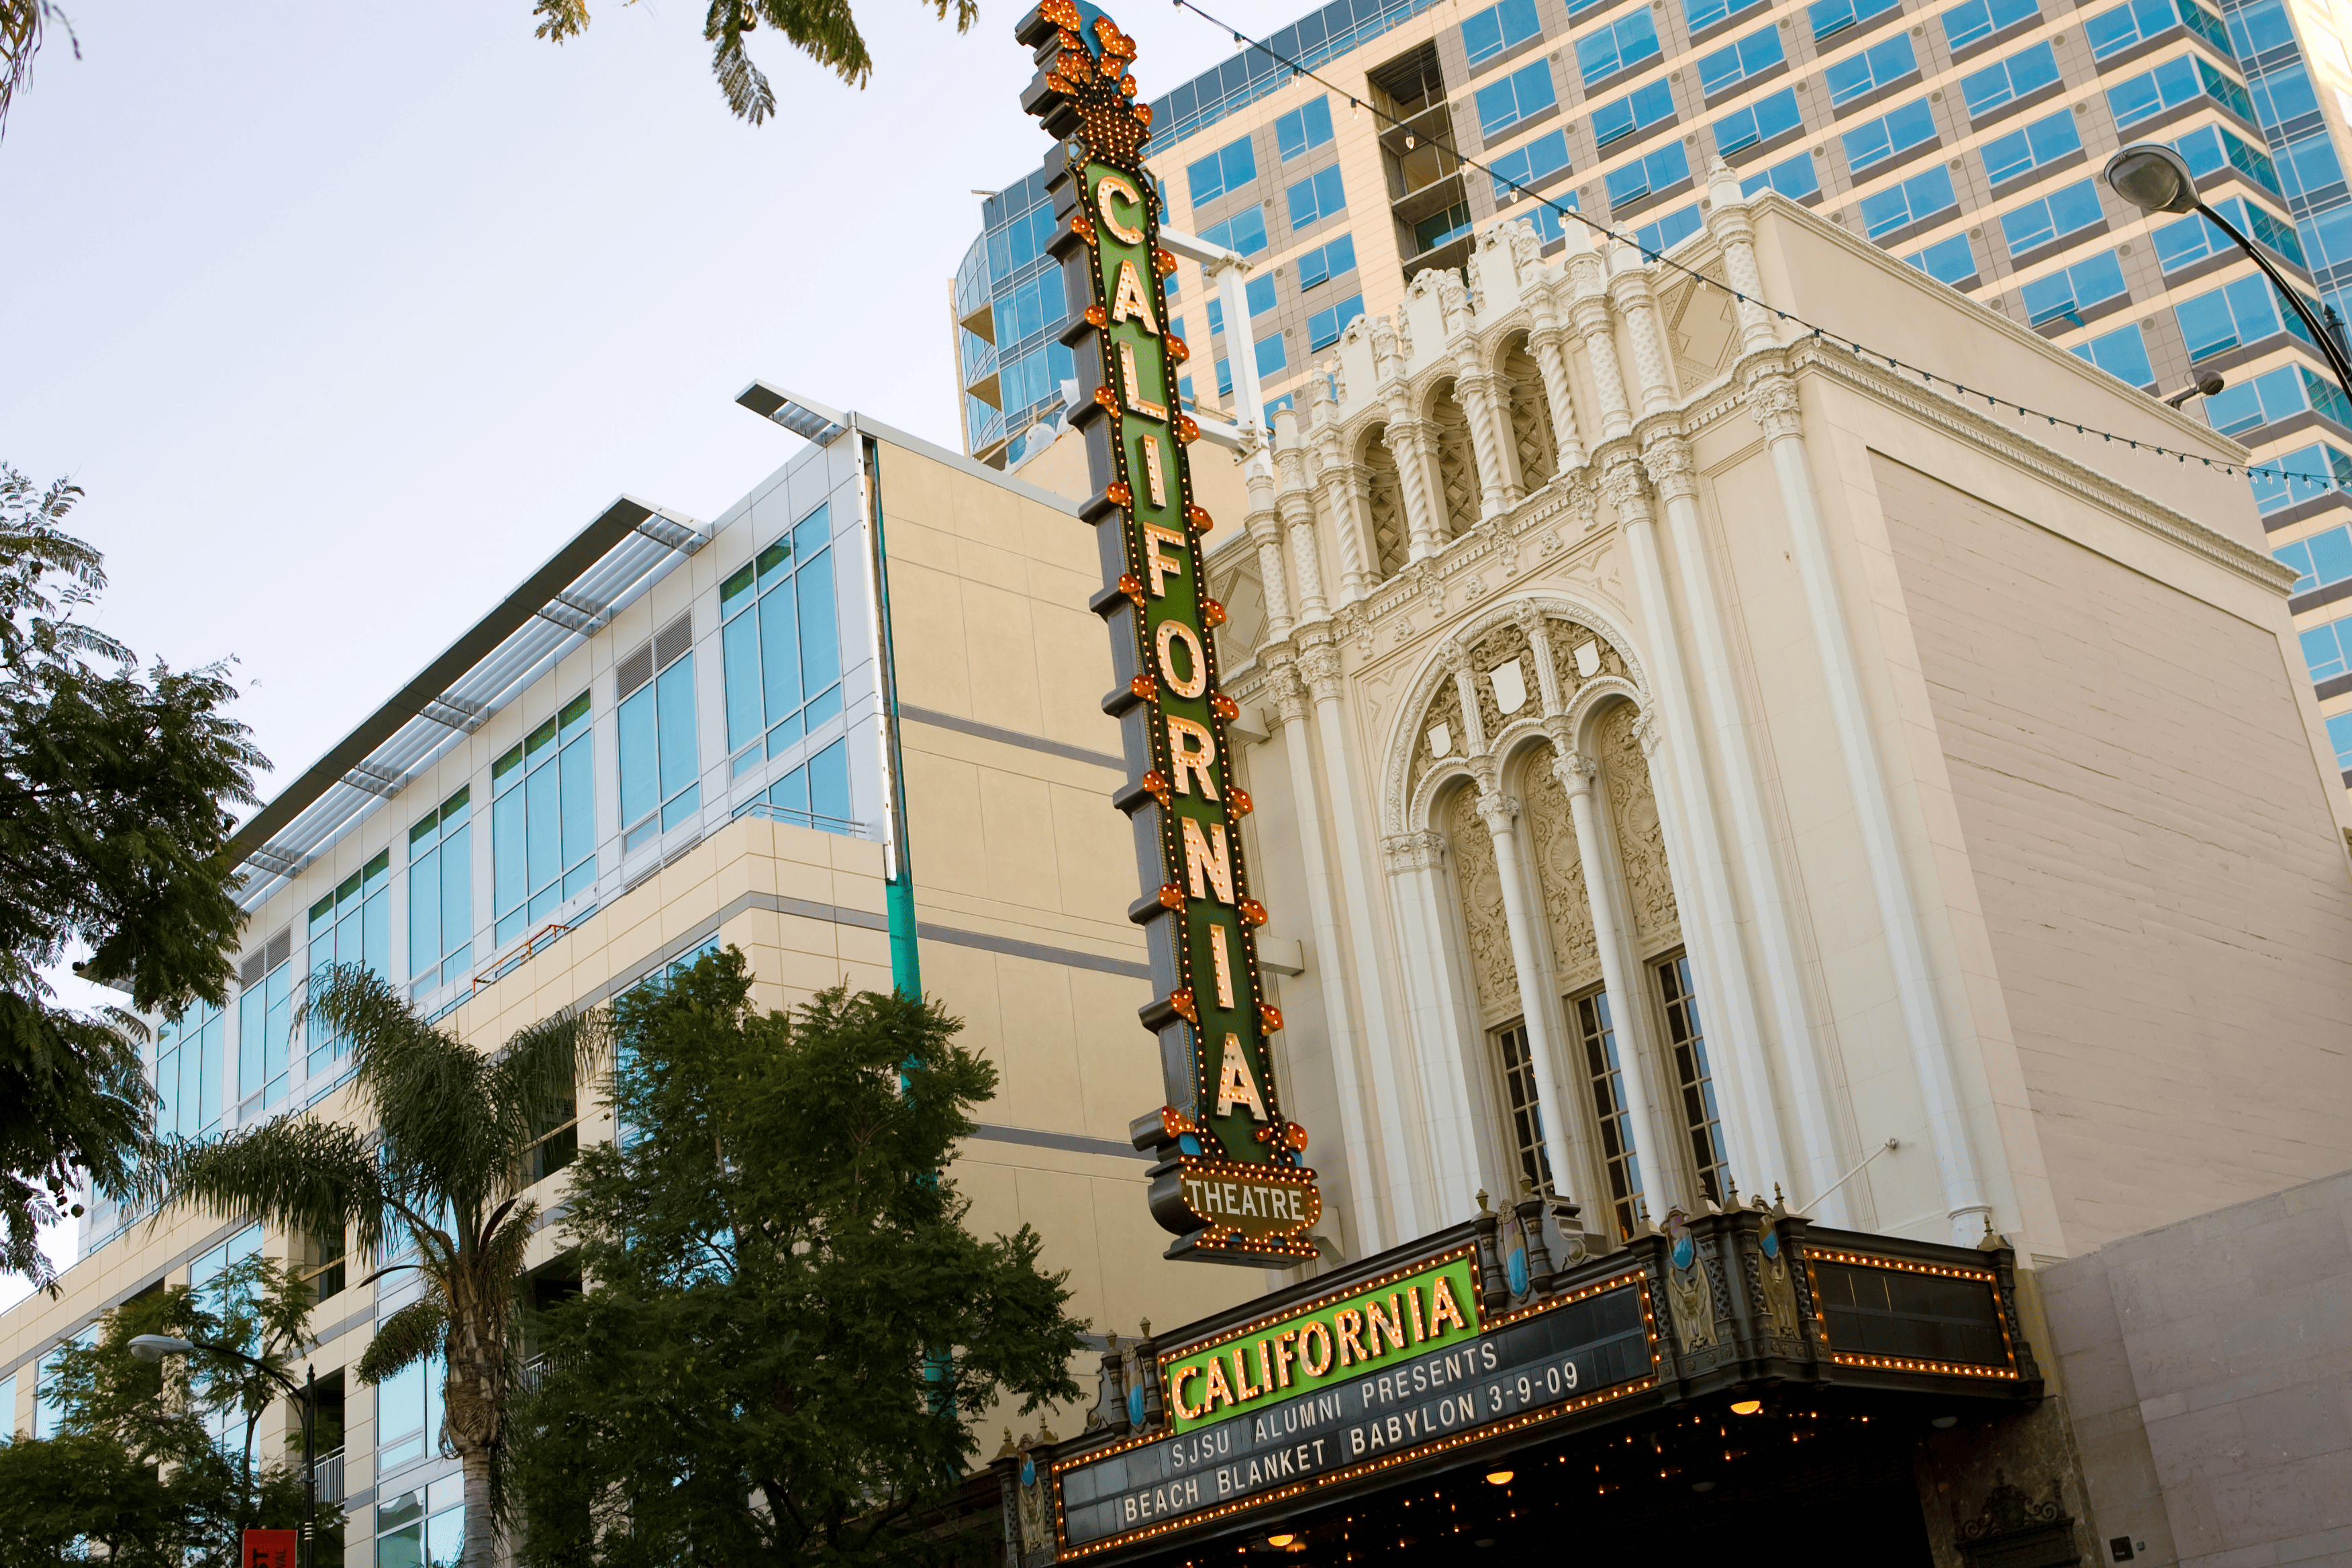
[[1945, 1423], [1746, 1407], [1500, 1477], [1283, 1539], [1702, 1486]]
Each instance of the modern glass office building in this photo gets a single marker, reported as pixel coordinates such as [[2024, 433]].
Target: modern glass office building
[[1966, 138]]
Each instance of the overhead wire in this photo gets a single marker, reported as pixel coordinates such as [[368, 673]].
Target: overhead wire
[[1245, 41]]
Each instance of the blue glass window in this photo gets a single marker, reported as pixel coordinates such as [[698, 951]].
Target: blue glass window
[[1326, 261], [1444, 230], [781, 636], [660, 765], [2244, 311], [1324, 327], [2328, 648], [1316, 197], [817, 792], [2275, 394], [2209, 148], [2339, 735], [1669, 231], [1728, 68], [2027, 71], [1224, 171], [2021, 151], [2068, 210], [1948, 260], [2122, 353], [1772, 115], [1647, 176], [2324, 558], [191, 1089], [2311, 166], [1547, 218], [1272, 357], [1915, 200], [1619, 47], [407, 1421], [1832, 17], [1965, 22], [1258, 295], [352, 925], [2259, 27], [1526, 91], [1890, 59], [1524, 167], [1497, 28], [1701, 14], [2118, 27], [544, 821], [1243, 233], [1795, 178], [2284, 92], [2064, 295], [1898, 130], [440, 897], [1637, 111], [2194, 237], [2176, 81], [1303, 129]]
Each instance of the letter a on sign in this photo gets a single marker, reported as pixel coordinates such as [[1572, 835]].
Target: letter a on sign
[[1234, 1087]]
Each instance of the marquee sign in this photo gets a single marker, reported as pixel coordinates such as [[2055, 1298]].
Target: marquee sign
[[1359, 1398], [1232, 1183]]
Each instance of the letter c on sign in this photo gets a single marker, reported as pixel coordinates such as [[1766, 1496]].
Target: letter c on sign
[[1176, 1392], [1117, 185]]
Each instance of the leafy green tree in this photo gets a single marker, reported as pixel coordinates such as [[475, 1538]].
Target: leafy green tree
[[135, 1475], [773, 1264], [436, 1188], [114, 793], [823, 30]]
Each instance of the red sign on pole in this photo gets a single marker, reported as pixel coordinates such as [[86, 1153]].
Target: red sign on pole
[[270, 1548]]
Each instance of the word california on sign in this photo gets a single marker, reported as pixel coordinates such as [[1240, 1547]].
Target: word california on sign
[[1232, 1182], [1295, 1355]]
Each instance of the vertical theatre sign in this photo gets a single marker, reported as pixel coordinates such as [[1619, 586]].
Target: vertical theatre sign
[[1230, 1182]]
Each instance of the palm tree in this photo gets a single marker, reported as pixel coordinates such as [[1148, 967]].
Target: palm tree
[[441, 1176]]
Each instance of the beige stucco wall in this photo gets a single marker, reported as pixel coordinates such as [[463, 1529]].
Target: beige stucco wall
[[2154, 855]]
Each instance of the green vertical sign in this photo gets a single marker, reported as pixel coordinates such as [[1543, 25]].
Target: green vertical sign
[[1232, 1183]]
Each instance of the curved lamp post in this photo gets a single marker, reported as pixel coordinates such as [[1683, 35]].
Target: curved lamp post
[[156, 1347], [2156, 179]]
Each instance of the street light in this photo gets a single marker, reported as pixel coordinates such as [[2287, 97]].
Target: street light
[[154, 1348], [2156, 179]]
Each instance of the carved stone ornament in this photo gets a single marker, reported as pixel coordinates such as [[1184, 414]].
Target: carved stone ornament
[[2015, 1531], [1627, 490], [1772, 400], [1668, 459], [1498, 810], [1289, 692], [1319, 663], [1773, 1277], [1688, 1295], [1037, 1523]]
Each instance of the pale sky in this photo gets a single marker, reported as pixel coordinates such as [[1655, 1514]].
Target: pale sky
[[346, 316]]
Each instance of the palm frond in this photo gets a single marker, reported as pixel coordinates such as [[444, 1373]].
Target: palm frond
[[535, 1080], [405, 1338], [317, 1177], [560, 19]]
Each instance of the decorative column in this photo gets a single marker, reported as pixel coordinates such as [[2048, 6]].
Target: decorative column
[[1575, 772], [1264, 524], [1629, 285], [1550, 341], [1772, 396], [1409, 442], [1589, 311], [1483, 400], [1318, 662], [1667, 457], [1340, 487], [1500, 813], [1331, 973], [1723, 978], [1736, 234], [1411, 860], [1294, 502]]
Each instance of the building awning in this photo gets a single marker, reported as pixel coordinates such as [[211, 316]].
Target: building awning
[[630, 546]]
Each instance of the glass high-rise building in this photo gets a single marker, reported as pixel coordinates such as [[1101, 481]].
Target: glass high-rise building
[[1967, 138]]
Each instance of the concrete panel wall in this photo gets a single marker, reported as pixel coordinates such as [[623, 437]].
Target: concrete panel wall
[[2208, 1369]]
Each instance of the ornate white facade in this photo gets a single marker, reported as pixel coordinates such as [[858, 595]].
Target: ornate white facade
[[1582, 639]]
